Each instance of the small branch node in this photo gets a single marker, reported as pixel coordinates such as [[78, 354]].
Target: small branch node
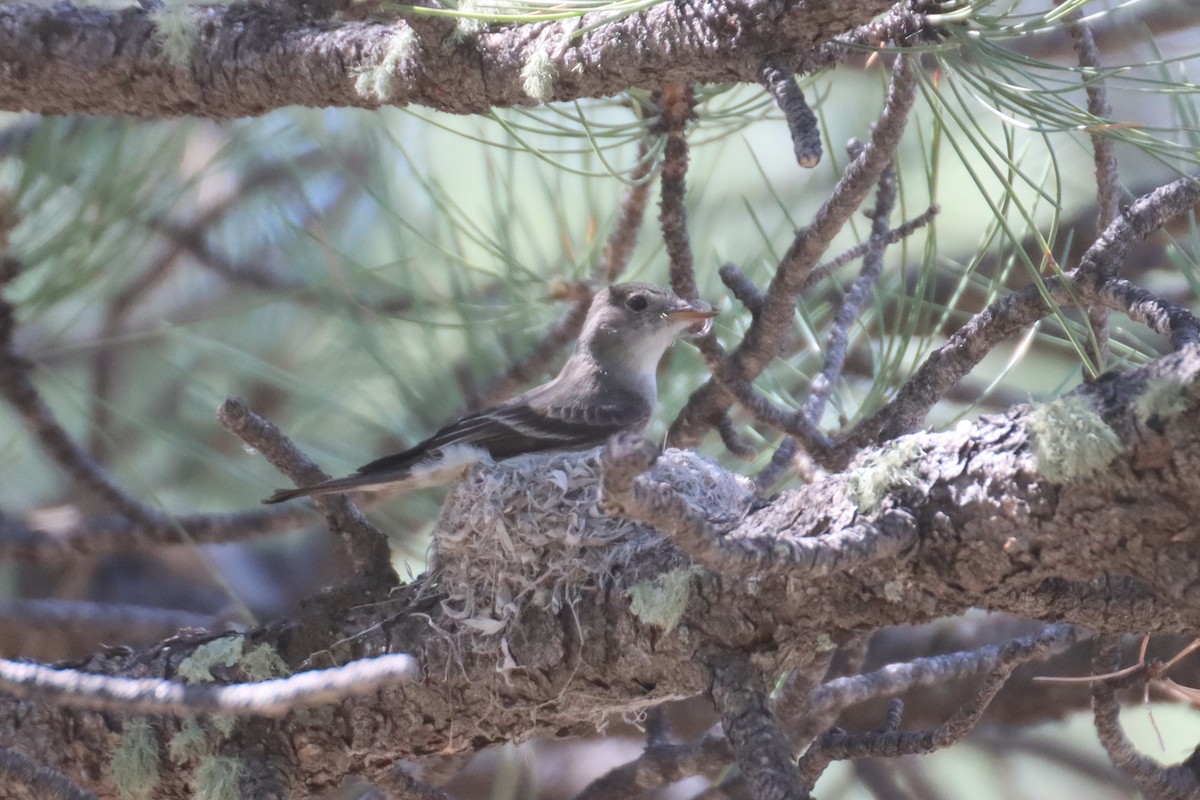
[[802, 122]]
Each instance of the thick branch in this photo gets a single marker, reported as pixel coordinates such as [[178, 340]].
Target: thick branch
[[248, 59]]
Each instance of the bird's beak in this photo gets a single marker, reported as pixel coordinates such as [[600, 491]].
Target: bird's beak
[[698, 311]]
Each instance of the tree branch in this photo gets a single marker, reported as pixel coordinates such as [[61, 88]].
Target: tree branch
[[248, 59], [267, 698]]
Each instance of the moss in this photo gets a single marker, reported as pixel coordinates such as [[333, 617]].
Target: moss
[[538, 76], [189, 743], [135, 762], [892, 468], [662, 601], [218, 778], [225, 651], [1162, 399], [1071, 440]]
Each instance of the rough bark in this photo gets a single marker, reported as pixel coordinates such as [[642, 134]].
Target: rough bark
[[248, 59]]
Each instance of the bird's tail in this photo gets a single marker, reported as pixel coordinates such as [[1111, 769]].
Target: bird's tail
[[405, 471], [353, 483]]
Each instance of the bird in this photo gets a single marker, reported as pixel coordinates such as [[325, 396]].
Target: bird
[[607, 386]]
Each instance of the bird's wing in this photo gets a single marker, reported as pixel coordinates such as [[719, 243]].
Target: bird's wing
[[516, 428], [530, 423]]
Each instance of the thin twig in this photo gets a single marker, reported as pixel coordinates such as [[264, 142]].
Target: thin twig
[[676, 105], [38, 780], [560, 336], [18, 388], [761, 748], [1108, 187], [624, 235], [801, 121], [400, 784], [796, 425], [836, 346], [808, 419], [608, 269], [658, 727], [1177, 323], [890, 742], [1155, 780], [743, 288], [661, 765], [893, 679], [781, 461], [62, 533], [770, 327], [1105, 157], [893, 236], [734, 442], [367, 546], [99, 621], [1005, 318], [272, 698]]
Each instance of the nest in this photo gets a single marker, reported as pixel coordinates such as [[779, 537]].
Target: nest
[[529, 531]]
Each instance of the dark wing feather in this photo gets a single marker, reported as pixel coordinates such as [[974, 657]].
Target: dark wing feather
[[517, 428], [536, 421]]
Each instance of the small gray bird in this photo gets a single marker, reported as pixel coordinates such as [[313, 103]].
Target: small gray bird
[[607, 386]]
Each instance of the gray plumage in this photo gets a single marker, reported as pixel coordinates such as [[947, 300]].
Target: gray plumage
[[607, 385]]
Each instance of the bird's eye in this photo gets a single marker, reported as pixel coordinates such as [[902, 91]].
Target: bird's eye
[[637, 302]]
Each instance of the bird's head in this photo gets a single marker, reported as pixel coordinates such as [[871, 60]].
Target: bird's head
[[631, 325]]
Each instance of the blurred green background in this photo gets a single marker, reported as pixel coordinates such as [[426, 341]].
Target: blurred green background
[[358, 276]]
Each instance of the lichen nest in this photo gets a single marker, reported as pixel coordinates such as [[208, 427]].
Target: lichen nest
[[530, 531]]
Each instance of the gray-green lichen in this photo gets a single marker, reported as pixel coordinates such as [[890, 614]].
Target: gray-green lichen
[[263, 663], [177, 26], [662, 601], [1162, 398], [225, 651], [188, 743], [218, 778], [890, 469], [538, 76], [1071, 440], [379, 82], [135, 761]]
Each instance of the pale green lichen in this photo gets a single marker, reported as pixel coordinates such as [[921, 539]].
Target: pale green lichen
[[538, 76], [225, 651], [218, 778], [890, 469], [893, 591], [263, 663], [1162, 399], [1071, 440], [222, 723], [465, 27], [379, 82], [188, 743], [662, 601], [178, 28], [135, 761]]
